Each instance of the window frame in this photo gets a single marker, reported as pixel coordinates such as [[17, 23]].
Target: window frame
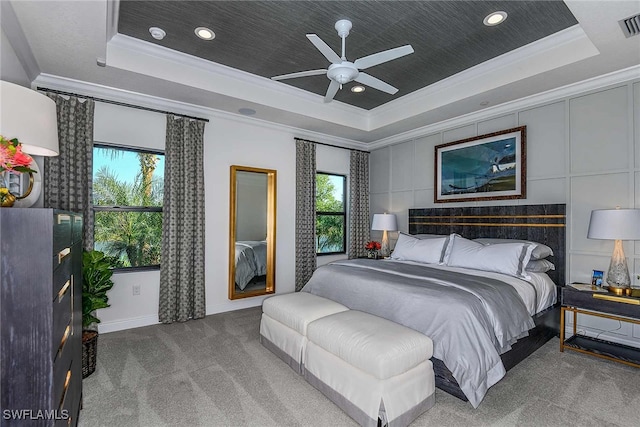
[[343, 213], [104, 208]]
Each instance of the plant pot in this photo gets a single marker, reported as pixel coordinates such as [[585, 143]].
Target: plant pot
[[89, 352]]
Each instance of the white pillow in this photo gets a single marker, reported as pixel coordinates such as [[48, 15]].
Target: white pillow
[[540, 250], [429, 236], [505, 258], [428, 251], [539, 266]]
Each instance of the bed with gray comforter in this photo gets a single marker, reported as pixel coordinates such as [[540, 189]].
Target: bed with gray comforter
[[471, 319]]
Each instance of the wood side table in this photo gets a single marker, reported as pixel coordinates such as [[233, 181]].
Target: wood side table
[[606, 305]]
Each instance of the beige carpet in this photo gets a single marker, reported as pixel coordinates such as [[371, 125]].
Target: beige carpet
[[214, 372]]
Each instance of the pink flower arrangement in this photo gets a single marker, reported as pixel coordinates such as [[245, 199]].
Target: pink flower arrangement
[[11, 156]]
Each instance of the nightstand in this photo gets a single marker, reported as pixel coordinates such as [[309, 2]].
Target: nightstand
[[609, 306]]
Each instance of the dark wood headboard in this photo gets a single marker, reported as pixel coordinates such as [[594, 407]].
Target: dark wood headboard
[[538, 223]]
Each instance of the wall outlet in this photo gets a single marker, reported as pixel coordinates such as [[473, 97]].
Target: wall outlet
[[136, 289]]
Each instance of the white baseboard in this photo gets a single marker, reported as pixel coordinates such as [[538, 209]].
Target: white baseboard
[[137, 322], [121, 325], [235, 305]]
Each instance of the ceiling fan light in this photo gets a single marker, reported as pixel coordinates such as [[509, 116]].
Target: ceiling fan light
[[204, 33], [357, 89], [495, 18]]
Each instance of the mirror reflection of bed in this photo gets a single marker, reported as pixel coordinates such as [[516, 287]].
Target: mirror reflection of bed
[[252, 231], [251, 266]]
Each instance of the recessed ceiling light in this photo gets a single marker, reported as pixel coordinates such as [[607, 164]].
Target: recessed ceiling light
[[247, 111], [204, 33], [157, 33], [494, 18], [357, 89]]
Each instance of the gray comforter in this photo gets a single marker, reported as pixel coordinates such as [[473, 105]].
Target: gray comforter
[[470, 319]]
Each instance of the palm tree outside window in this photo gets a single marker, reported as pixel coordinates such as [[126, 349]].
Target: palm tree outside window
[[128, 185]]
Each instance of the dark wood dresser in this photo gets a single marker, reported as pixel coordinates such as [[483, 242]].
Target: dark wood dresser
[[40, 317]]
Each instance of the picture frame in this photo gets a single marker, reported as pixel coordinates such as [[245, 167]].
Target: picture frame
[[486, 167], [597, 278]]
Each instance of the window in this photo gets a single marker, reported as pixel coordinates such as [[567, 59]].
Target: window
[[330, 214], [127, 201]]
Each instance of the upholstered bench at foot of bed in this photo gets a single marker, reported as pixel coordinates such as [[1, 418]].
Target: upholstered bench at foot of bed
[[285, 318], [370, 367]]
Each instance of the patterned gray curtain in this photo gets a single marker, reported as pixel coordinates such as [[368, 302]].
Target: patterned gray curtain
[[182, 290], [359, 229], [68, 177], [305, 211]]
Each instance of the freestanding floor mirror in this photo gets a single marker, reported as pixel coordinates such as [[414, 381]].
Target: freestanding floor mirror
[[252, 232]]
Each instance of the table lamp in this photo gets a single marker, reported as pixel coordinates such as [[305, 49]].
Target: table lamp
[[384, 222], [30, 117], [616, 224]]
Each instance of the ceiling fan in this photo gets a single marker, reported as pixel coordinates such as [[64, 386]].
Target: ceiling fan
[[342, 71]]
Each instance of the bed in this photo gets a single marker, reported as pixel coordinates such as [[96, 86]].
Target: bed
[[251, 261], [475, 339]]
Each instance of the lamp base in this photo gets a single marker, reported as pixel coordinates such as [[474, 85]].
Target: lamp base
[[620, 291], [384, 248], [618, 274]]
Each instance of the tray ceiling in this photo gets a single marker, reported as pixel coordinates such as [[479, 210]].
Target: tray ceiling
[[267, 38]]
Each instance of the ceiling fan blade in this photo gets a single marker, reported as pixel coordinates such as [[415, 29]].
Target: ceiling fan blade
[[331, 91], [381, 57], [324, 49], [375, 83], [300, 74]]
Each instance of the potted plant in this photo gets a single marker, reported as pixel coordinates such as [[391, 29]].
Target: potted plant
[[96, 282]]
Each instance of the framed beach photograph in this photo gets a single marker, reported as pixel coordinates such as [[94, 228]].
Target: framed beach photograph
[[485, 167], [597, 278]]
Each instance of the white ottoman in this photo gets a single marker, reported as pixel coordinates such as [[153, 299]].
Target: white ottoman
[[285, 318], [371, 367]]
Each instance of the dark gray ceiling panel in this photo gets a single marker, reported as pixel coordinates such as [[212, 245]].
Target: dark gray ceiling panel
[[267, 38]]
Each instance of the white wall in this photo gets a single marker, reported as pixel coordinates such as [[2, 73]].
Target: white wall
[[583, 150], [11, 70], [227, 142]]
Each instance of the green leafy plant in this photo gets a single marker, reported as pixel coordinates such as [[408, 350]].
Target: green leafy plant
[[96, 275]]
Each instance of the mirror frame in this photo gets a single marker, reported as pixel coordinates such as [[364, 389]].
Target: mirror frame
[[270, 287]]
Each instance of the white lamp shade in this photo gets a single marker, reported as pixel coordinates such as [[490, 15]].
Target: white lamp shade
[[615, 224], [384, 222], [29, 116]]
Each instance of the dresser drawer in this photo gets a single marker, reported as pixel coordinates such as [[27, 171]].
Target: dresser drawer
[[62, 377], [62, 226], [62, 274], [62, 317], [76, 231], [586, 300], [70, 403]]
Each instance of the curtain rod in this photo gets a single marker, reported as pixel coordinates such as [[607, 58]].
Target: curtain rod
[[123, 104], [334, 146]]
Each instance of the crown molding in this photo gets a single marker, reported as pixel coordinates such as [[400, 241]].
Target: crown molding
[[614, 78], [12, 29], [253, 82], [565, 46], [129, 97], [113, 11]]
